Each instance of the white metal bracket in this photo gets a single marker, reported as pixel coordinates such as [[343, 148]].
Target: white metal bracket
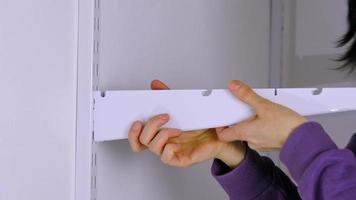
[[115, 111]]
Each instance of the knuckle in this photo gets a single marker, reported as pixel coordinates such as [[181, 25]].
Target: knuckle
[[245, 92], [143, 140], [262, 102], [164, 134], [239, 134], [166, 155], [224, 137], [267, 109], [164, 160], [135, 150], [154, 121]]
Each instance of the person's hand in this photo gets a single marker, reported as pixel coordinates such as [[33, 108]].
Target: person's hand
[[182, 149], [269, 128]]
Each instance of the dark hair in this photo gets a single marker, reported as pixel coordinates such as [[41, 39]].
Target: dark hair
[[349, 39]]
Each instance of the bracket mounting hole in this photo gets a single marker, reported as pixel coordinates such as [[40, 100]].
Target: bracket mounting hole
[[318, 91], [102, 94], [207, 93]]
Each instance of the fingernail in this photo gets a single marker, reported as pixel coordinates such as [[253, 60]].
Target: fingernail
[[164, 116], [235, 85], [136, 126]]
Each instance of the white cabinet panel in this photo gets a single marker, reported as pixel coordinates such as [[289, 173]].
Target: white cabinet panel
[[38, 96]]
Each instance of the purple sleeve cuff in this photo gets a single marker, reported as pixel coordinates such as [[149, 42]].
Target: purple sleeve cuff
[[303, 145], [248, 180]]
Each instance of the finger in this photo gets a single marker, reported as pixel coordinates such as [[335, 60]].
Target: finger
[[230, 134], [253, 146], [158, 142], [133, 137], [169, 156], [220, 129], [158, 85], [152, 127], [238, 132], [247, 95]]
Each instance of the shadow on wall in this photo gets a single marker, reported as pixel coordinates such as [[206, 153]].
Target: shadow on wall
[[316, 70]]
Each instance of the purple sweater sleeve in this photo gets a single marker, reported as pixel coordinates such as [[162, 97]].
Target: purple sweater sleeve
[[321, 170], [352, 144], [255, 178]]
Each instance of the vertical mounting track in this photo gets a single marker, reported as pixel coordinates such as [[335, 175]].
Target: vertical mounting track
[[95, 75], [87, 52], [276, 51], [276, 42]]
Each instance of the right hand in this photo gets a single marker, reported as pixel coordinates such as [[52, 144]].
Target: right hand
[[182, 149], [269, 128]]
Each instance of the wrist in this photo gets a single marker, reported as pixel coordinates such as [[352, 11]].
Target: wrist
[[232, 153], [293, 126]]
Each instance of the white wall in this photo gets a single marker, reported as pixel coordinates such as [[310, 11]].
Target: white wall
[[319, 24], [184, 42], [38, 96], [188, 44], [312, 29]]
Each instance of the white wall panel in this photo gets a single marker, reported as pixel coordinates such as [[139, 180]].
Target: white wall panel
[[312, 28], [319, 24], [38, 92]]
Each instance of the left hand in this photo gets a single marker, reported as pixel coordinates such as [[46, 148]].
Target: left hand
[[182, 149]]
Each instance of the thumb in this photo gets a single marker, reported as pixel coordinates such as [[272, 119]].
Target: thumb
[[246, 94], [238, 132], [158, 85]]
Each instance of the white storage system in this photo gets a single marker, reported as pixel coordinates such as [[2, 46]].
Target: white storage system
[[56, 54], [199, 44]]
